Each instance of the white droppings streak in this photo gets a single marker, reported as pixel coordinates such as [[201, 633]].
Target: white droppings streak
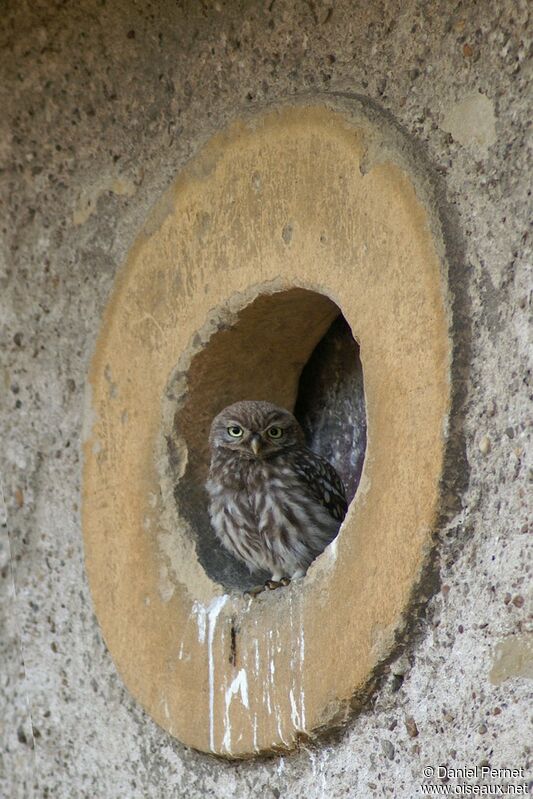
[[296, 692], [302, 658], [256, 675], [200, 611], [255, 732], [213, 611], [239, 684], [295, 716], [271, 668], [278, 724]]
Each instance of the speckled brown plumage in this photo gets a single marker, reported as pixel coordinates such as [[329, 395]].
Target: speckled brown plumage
[[274, 504]]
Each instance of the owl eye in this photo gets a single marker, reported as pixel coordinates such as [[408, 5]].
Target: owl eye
[[234, 431], [275, 432]]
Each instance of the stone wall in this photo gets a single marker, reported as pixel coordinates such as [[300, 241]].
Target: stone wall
[[102, 105]]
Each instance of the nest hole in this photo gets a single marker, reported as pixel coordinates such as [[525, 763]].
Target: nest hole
[[293, 348]]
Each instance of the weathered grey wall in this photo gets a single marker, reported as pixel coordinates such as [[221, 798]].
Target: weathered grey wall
[[102, 103]]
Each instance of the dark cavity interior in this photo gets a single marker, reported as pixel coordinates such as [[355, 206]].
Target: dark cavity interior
[[293, 348]]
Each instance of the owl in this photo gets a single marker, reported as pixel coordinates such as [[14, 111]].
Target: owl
[[273, 503]]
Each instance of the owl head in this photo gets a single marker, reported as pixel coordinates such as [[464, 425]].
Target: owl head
[[255, 429]]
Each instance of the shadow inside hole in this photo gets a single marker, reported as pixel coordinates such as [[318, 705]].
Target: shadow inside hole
[[330, 404], [293, 348]]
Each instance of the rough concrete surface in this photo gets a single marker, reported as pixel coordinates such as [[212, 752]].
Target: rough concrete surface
[[102, 105]]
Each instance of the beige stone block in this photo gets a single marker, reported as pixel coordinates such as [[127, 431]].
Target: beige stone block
[[275, 225]]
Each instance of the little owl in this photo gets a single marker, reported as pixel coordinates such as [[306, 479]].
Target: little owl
[[274, 504]]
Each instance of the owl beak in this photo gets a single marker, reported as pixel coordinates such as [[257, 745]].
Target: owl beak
[[255, 444]]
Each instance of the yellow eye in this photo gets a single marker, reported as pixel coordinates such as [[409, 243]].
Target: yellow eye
[[275, 432], [234, 431]]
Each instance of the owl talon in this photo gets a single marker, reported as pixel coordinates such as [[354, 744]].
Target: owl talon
[[285, 581], [272, 584], [255, 591]]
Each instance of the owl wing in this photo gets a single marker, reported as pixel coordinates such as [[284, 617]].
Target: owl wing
[[322, 481]]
